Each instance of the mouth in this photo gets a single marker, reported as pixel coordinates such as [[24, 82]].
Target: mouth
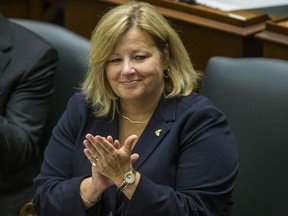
[[130, 82]]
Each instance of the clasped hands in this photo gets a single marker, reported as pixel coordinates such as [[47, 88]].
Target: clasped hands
[[110, 159]]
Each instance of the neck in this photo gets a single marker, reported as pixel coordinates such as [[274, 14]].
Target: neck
[[138, 110]]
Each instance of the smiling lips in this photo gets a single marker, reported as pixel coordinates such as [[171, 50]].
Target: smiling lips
[[130, 82]]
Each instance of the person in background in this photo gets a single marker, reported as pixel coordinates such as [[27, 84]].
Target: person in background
[[138, 140], [27, 69]]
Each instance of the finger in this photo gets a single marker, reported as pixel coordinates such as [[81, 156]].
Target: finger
[[116, 144], [104, 144], [134, 157], [110, 139], [89, 156], [95, 146], [128, 143], [91, 148], [91, 139]]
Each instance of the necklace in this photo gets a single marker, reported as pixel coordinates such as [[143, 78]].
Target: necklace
[[134, 122]]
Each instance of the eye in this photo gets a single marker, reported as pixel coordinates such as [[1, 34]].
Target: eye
[[140, 57], [114, 60]]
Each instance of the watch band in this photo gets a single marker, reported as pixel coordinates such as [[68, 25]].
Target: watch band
[[122, 186], [126, 181]]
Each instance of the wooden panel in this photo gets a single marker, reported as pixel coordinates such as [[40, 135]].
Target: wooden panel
[[82, 16], [275, 39], [273, 50], [278, 26], [27, 9], [202, 43], [45, 10]]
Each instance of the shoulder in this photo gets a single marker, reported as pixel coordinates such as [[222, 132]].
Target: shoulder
[[76, 112], [26, 37], [25, 49], [27, 46], [194, 107], [79, 106], [198, 110], [77, 101], [196, 102], [195, 99]]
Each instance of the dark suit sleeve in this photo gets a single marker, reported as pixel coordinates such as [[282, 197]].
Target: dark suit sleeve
[[26, 112]]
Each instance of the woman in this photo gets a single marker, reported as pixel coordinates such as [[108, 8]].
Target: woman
[[151, 145]]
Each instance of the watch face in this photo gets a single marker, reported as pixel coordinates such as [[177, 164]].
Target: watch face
[[130, 177]]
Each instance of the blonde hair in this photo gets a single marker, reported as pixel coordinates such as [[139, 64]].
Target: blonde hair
[[182, 77]]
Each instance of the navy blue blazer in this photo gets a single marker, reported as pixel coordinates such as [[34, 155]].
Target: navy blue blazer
[[188, 162]]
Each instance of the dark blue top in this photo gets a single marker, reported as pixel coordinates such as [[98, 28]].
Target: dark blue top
[[189, 169]]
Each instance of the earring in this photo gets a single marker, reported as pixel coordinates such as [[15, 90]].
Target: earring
[[166, 73]]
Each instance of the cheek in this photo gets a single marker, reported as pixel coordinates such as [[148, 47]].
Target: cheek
[[111, 75], [160, 79], [155, 78], [158, 72], [112, 79], [159, 76], [109, 79]]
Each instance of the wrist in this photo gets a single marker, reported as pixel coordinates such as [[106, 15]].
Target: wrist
[[87, 202], [129, 178], [88, 193]]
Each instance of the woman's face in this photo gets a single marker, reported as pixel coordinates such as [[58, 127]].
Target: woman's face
[[134, 69]]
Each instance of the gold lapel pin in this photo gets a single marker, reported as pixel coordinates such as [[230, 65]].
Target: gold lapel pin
[[157, 132]]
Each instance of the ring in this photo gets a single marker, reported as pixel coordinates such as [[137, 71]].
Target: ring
[[94, 164]]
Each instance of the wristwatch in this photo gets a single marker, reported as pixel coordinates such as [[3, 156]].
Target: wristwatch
[[129, 178]]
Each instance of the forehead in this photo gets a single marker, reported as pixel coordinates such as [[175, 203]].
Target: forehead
[[135, 37]]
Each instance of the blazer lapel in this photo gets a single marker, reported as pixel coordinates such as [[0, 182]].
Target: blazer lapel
[[155, 131]]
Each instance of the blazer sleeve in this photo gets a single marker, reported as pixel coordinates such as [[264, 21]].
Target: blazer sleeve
[[57, 187], [26, 111]]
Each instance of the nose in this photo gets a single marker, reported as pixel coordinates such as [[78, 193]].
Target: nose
[[127, 67]]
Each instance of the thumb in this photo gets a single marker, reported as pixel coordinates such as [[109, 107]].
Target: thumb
[[128, 143]]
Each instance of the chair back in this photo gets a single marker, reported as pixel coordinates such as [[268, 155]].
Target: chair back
[[253, 94]]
